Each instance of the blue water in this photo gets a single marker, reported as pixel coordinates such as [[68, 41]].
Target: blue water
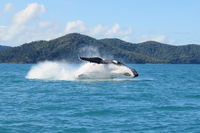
[[164, 98]]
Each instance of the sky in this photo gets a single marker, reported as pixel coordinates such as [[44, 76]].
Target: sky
[[175, 22]]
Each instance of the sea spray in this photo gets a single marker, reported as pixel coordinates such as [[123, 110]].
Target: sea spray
[[93, 71], [49, 70], [89, 51]]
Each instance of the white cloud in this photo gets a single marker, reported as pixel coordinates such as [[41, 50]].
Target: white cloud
[[21, 30], [8, 7], [116, 30], [8, 32], [46, 24], [20, 20], [126, 38], [75, 26], [171, 41], [33, 10], [158, 38], [99, 31]]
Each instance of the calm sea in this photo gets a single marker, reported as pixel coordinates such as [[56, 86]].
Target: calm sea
[[164, 98]]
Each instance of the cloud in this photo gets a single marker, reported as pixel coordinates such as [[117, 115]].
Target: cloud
[[21, 30], [127, 38], [99, 31], [8, 32], [33, 10], [8, 7], [157, 38], [46, 24], [75, 26], [116, 30], [20, 20]]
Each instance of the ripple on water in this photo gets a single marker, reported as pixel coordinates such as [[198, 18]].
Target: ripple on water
[[161, 99]]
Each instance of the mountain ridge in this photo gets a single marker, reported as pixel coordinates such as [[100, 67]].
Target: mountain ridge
[[2, 47], [70, 46]]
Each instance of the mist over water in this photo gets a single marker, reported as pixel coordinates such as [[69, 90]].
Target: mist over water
[[57, 70], [52, 71], [49, 70]]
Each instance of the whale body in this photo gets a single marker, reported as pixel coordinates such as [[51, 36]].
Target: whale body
[[104, 68]]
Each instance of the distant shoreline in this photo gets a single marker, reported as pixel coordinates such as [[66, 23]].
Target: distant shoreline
[[71, 46]]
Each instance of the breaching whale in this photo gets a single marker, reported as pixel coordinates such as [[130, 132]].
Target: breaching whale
[[105, 68]]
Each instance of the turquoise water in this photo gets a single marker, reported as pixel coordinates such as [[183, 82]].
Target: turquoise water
[[164, 98]]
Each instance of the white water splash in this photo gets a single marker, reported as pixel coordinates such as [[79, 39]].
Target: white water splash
[[51, 71], [62, 71]]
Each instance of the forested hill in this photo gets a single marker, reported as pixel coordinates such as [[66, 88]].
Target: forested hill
[[4, 47], [71, 46]]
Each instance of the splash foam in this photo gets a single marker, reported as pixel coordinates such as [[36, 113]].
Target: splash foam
[[62, 71], [51, 71]]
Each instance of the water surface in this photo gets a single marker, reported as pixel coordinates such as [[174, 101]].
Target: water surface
[[164, 98]]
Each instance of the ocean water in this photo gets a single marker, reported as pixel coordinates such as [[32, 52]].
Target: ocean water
[[164, 98]]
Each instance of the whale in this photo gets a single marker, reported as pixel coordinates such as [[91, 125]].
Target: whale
[[106, 68]]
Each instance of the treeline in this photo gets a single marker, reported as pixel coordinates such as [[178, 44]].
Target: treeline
[[71, 46]]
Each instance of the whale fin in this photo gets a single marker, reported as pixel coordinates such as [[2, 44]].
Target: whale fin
[[93, 60], [100, 61]]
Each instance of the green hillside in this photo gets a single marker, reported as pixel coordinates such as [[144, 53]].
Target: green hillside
[[4, 47], [71, 46]]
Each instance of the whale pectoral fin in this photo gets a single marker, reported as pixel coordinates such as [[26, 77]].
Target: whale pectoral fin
[[92, 59]]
